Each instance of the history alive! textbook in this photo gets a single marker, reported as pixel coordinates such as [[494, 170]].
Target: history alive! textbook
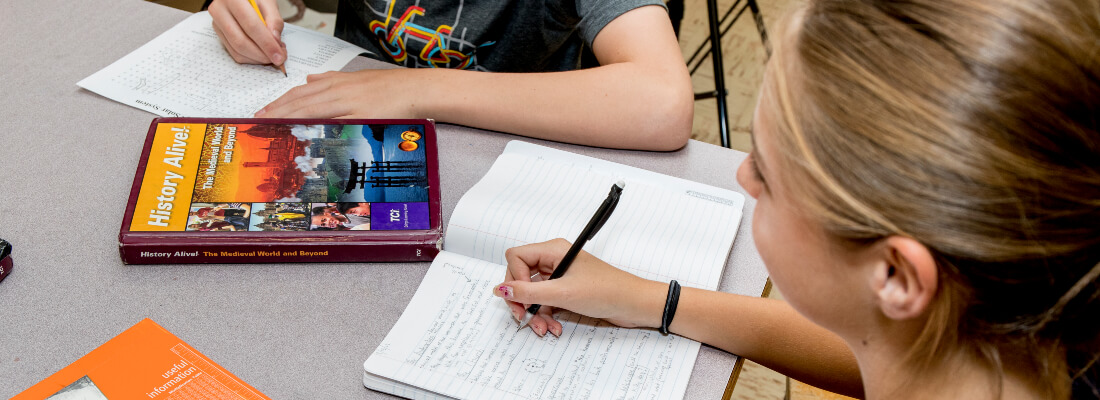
[[456, 340], [143, 362], [284, 190]]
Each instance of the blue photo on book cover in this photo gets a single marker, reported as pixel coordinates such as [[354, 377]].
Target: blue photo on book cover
[[395, 171]]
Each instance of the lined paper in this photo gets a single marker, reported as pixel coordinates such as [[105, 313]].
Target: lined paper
[[185, 72], [457, 340], [674, 229]]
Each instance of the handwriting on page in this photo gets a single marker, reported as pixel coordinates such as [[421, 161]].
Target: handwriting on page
[[472, 340]]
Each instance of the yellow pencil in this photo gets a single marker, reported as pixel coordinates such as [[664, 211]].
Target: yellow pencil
[[257, 8]]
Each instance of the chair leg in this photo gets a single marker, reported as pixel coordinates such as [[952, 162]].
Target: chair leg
[[759, 19], [715, 40], [719, 72]]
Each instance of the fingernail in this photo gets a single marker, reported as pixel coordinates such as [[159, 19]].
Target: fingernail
[[276, 58], [518, 315], [504, 291], [540, 330], [556, 331]]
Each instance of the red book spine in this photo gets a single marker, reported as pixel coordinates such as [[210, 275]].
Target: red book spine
[[5, 267], [313, 252], [5, 259]]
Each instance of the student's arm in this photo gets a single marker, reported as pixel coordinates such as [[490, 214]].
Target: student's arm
[[766, 331], [640, 96], [770, 333]]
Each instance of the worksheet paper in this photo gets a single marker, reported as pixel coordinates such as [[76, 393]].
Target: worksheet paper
[[457, 340], [185, 72]]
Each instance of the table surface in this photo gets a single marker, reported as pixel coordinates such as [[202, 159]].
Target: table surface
[[67, 161]]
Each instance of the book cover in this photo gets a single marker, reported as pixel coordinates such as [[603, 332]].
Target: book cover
[[143, 362], [5, 259], [225, 190]]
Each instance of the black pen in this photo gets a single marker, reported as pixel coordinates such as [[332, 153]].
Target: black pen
[[594, 225]]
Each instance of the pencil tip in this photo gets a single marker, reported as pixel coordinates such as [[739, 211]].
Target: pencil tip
[[526, 319]]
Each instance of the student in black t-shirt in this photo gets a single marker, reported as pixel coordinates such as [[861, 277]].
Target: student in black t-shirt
[[638, 96]]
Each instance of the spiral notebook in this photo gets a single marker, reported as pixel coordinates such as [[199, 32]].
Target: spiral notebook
[[457, 340]]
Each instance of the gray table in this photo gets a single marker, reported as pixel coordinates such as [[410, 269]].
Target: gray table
[[67, 160]]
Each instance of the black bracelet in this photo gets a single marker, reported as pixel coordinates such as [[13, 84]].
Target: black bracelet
[[670, 306]]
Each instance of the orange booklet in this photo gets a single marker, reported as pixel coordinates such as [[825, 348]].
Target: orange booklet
[[144, 362]]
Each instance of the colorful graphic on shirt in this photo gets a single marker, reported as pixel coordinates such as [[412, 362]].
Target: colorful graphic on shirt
[[437, 51]]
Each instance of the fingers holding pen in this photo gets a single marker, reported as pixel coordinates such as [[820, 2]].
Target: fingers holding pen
[[520, 294], [592, 287], [528, 266], [245, 35], [544, 322]]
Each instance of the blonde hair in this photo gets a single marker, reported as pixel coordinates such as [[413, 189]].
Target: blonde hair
[[972, 127]]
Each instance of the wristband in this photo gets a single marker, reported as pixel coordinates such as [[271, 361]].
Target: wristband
[[670, 306]]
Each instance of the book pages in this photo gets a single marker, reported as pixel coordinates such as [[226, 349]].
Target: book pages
[[185, 72], [457, 340], [664, 228]]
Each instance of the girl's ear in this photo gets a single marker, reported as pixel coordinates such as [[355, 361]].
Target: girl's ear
[[904, 279]]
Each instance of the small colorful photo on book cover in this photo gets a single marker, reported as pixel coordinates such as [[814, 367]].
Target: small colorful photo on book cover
[[268, 177], [218, 217], [279, 217], [340, 217]]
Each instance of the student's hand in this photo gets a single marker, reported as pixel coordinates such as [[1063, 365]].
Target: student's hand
[[244, 36], [591, 287], [383, 93]]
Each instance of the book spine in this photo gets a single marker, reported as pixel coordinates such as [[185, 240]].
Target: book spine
[[5, 259], [287, 252], [5, 267]]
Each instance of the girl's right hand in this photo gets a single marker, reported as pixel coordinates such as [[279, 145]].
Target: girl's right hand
[[591, 287], [245, 36]]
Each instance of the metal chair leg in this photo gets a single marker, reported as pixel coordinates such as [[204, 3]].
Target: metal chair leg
[[719, 74], [716, 34]]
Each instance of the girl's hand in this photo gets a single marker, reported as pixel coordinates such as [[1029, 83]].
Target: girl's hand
[[591, 287]]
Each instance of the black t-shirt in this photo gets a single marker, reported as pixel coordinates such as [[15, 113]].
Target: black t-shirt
[[501, 36]]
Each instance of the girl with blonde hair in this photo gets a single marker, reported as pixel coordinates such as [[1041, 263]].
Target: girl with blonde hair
[[927, 177]]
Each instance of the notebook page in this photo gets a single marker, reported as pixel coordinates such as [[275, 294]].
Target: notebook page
[[671, 183], [456, 339], [185, 72], [660, 232], [397, 388]]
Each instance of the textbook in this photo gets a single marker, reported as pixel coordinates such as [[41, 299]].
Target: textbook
[[143, 362], [5, 259], [284, 190], [456, 340]]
